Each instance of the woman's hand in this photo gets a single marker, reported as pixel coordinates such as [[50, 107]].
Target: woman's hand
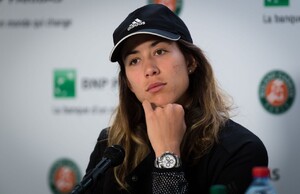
[[165, 126]]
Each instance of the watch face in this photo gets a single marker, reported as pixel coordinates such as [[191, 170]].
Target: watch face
[[168, 161]]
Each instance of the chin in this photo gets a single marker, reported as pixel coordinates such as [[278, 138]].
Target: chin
[[162, 103]]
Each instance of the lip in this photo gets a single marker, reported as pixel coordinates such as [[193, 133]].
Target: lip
[[155, 87]]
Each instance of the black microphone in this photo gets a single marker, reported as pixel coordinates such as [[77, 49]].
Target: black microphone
[[113, 156]]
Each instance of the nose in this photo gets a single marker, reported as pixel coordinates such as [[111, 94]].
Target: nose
[[151, 68]]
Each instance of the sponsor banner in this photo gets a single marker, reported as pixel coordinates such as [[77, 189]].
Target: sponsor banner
[[64, 83], [58, 85], [280, 18], [275, 3], [13, 2], [68, 85], [63, 176], [277, 92], [31, 20], [174, 5]]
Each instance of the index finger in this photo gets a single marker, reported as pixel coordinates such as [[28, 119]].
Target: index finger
[[147, 107]]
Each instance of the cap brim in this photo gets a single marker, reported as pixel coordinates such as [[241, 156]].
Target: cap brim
[[115, 52]]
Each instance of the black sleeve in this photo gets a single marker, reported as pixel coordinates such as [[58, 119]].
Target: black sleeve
[[237, 171], [165, 181], [239, 153]]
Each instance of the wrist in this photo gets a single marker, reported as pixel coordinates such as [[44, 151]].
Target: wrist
[[160, 151]]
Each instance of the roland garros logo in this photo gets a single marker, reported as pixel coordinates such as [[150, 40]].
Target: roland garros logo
[[63, 176], [174, 5], [277, 92]]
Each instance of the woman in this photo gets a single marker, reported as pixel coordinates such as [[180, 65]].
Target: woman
[[172, 119]]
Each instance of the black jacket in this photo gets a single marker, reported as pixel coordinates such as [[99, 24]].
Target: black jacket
[[229, 163]]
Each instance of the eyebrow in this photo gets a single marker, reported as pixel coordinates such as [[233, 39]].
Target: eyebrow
[[153, 44]]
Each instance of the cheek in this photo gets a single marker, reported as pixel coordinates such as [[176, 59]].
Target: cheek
[[183, 82], [133, 82], [181, 76], [181, 70]]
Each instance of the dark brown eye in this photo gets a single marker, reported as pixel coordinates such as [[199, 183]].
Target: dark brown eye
[[134, 61], [160, 52]]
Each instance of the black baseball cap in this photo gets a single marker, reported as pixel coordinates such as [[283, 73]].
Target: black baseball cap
[[153, 19]]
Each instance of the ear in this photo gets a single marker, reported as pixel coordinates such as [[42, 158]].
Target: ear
[[191, 65]]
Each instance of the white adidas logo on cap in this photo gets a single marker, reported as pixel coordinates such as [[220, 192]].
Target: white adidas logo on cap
[[135, 23]]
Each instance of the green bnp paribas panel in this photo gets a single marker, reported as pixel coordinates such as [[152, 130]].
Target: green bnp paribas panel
[[271, 3], [64, 83]]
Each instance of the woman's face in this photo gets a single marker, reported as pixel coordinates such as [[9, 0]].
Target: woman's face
[[156, 70]]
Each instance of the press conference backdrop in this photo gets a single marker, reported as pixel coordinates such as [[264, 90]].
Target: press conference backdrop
[[58, 87]]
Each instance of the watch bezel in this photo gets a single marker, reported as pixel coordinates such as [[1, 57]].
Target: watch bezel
[[162, 161]]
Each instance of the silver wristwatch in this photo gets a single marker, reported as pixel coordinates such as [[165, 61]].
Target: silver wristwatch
[[167, 160]]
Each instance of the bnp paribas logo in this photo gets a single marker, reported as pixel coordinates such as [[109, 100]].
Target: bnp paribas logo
[[64, 83], [277, 92], [174, 5], [276, 3]]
